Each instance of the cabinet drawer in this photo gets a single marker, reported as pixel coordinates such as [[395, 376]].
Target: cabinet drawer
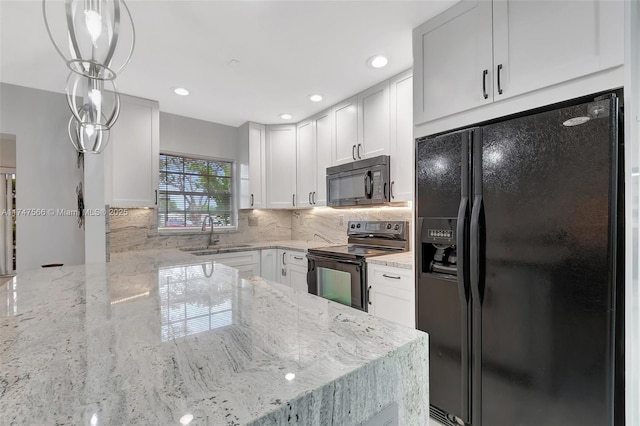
[[238, 258], [399, 278], [296, 258]]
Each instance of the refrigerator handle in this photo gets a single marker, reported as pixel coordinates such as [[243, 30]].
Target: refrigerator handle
[[461, 249], [474, 252]]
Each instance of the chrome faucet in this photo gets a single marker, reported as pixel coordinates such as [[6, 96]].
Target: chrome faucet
[[212, 240]]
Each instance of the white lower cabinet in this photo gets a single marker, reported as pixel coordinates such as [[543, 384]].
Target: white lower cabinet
[[247, 262], [392, 294], [292, 269], [297, 270], [269, 264]]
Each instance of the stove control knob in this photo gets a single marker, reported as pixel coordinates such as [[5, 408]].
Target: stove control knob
[[396, 227], [388, 226], [353, 225], [358, 226]]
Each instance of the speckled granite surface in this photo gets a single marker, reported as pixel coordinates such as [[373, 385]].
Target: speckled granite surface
[[403, 260], [157, 336]]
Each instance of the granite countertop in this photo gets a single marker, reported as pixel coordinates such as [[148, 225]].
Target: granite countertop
[[298, 245], [158, 337], [397, 260]]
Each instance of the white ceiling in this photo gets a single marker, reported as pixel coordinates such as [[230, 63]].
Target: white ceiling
[[286, 51]]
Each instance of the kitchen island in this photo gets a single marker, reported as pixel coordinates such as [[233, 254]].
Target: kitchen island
[[166, 338]]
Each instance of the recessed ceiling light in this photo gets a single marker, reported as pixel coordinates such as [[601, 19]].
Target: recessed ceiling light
[[378, 61], [286, 116], [181, 91], [315, 98]]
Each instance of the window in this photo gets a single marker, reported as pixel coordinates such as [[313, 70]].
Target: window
[[193, 188]]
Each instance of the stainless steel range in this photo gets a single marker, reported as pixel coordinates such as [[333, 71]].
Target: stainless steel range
[[339, 273]]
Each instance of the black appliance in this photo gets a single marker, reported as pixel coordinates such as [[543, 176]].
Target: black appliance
[[519, 276], [362, 182], [339, 273]]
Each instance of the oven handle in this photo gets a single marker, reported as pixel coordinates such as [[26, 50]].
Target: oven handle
[[333, 259]]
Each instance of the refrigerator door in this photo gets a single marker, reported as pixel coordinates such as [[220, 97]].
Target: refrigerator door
[[442, 291], [547, 244]]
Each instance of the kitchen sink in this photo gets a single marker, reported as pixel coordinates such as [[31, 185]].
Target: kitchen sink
[[204, 251]]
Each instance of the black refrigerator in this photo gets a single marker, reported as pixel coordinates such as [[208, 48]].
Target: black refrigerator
[[519, 267]]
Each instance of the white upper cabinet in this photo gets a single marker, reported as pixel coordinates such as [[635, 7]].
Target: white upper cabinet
[[542, 43], [132, 156], [453, 61], [345, 130], [480, 51], [373, 121], [306, 167], [252, 166], [281, 166], [401, 94], [324, 138]]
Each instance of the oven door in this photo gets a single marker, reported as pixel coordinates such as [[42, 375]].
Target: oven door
[[340, 280]]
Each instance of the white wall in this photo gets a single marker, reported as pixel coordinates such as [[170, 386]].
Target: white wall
[[46, 175], [7, 152], [185, 135]]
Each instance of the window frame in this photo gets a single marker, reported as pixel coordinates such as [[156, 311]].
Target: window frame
[[198, 229]]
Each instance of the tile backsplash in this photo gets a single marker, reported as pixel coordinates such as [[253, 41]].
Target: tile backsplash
[[138, 230]]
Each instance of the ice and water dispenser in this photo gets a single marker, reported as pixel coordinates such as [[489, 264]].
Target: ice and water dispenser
[[438, 244]]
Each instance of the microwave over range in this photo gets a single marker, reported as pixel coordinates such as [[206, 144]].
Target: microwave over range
[[359, 183]]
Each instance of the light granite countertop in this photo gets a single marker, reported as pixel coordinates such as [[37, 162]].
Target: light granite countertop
[[158, 337], [397, 260], [303, 246]]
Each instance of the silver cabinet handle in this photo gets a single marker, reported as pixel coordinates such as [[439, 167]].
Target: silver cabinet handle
[[359, 146], [499, 85], [298, 257], [353, 152], [390, 276]]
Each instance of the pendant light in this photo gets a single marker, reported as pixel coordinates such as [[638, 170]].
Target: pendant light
[[91, 103], [95, 38]]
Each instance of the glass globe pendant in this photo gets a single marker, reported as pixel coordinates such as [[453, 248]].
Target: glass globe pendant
[[95, 38]]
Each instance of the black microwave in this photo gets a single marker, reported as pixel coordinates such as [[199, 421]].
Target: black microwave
[[359, 183]]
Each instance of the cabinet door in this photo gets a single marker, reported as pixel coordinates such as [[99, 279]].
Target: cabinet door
[[324, 140], [298, 277], [451, 54], [373, 121], [269, 264], [281, 166], [256, 165], [345, 130], [401, 94], [538, 44], [306, 167], [392, 294], [132, 156], [282, 275]]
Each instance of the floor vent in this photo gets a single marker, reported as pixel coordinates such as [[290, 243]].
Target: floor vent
[[441, 416]]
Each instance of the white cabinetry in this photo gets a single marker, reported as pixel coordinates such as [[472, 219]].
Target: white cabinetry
[[292, 265], [269, 264], [297, 270], [247, 262], [345, 130], [392, 294], [252, 165], [132, 156], [373, 121], [306, 165], [401, 95], [479, 51], [281, 166], [314, 156]]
